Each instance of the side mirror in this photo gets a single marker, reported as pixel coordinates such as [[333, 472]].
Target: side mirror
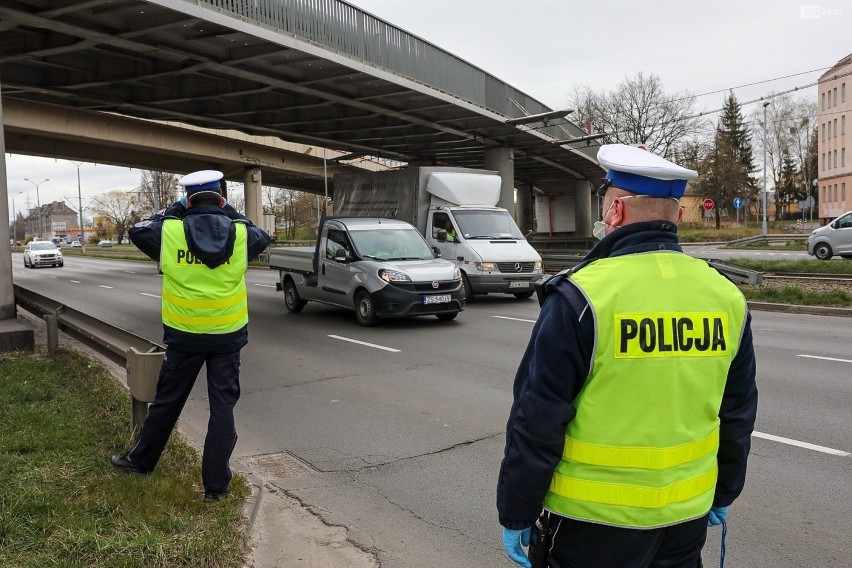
[[437, 252], [528, 234], [340, 255]]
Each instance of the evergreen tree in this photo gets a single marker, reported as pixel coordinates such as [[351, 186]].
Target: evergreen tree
[[733, 129]]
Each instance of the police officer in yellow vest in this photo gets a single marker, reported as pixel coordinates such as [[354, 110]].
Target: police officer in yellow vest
[[635, 400], [203, 245]]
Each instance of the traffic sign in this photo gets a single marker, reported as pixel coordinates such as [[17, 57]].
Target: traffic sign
[[738, 203], [708, 204]]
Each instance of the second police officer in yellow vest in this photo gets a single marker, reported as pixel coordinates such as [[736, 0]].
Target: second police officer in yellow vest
[[203, 245], [635, 399]]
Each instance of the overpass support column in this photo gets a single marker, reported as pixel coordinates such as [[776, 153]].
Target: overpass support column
[[583, 208], [502, 160], [253, 186], [525, 209]]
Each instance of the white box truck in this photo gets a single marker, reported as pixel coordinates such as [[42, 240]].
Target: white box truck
[[455, 209]]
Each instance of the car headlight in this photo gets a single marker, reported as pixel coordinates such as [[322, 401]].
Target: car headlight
[[486, 266], [393, 275], [457, 274], [538, 266]]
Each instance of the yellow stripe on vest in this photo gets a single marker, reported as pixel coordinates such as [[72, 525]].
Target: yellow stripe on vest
[[632, 495], [648, 458], [205, 303], [203, 320]]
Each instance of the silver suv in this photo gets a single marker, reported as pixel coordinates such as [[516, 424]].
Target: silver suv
[[833, 239]]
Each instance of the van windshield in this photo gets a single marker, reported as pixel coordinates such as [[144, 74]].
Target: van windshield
[[391, 244], [484, 224]]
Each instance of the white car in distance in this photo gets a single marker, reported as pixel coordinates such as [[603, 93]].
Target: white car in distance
[[42, 253]]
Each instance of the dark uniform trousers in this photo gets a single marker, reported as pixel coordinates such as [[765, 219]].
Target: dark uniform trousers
[[578, 544], [177, 376]]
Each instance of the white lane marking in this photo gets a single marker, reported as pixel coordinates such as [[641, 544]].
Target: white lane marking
[[514, 319], [373, 345], [264, 285], [825, 358], [75, 281], [102, 286], [130, 272], [151, 295], [805, 445], [54, 277]]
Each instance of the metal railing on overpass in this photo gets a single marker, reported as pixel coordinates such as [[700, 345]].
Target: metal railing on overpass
[[140, 357], [351, 31]]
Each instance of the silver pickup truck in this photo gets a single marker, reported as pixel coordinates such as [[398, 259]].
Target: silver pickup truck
[[380, 268]]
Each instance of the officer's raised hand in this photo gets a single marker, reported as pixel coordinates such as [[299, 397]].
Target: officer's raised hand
[[513, 542]]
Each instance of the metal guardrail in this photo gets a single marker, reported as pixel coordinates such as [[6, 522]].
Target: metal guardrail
[[342, 27], [557, 260], [769, 239], [141, 358]]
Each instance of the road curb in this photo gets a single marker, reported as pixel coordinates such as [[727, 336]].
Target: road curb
[[795, 309], [251, 507]]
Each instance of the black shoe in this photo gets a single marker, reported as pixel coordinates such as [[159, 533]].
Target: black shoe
[[213, 496], [123, 463]]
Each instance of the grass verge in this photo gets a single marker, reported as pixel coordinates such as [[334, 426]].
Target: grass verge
[[796, 295], [839, 267], [62, 504]]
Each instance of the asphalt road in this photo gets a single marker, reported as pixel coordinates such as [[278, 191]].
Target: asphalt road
[[396, 432]]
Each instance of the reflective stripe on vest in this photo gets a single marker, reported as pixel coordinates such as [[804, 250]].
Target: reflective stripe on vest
[[198, 299], [641, 451]]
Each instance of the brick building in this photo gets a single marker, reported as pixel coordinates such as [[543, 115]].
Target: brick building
[[834, 106], [56, 220]]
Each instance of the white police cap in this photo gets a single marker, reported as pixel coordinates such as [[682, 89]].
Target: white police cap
[[204, 180], [640, 171]]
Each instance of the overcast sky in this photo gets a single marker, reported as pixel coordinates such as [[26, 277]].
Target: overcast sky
[[546, 48]]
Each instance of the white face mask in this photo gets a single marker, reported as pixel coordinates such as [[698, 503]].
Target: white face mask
[[599, 230]]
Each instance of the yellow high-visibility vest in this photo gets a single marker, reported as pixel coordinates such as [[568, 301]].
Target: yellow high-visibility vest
[[641, 451], [198, 299]]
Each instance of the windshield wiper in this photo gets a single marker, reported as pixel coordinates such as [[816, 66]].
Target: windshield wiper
[[371, 257]]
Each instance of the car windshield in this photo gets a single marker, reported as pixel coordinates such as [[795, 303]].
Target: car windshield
[[42, 246], [485, 224], [391, 244]]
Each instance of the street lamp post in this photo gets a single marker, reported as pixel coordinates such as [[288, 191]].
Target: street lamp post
[[38, 201], [80, 206], [766, 104], [15, 218]]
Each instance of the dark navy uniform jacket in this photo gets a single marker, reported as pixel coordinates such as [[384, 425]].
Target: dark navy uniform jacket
[[555, 366], [204, 235]]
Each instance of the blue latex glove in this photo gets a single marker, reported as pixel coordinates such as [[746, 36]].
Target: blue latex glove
[[513, 540], [718, 515]]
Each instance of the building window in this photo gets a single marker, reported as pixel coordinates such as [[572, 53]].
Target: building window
[[822, 130], [843, 158], [835, 193], [835, 128], [835, 159], [835, 96], [822, 161], [843, 191], [822, 104], [843, 124], [843, 93]]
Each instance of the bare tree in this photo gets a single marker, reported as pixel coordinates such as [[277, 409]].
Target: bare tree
[[639, 111], [121, 208], [789, 151], [158, 190]]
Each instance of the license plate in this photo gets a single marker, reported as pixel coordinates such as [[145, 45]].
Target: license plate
[[519, 284], [442, 299]]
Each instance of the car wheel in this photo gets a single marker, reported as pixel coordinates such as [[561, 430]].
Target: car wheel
[[822, 251], [468, 291], [292, 300], [61, 264], [26, 265], [365, 310], [524, 295], [447, 317]]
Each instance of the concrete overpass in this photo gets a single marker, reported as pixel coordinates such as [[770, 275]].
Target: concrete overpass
[[318, 72]]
